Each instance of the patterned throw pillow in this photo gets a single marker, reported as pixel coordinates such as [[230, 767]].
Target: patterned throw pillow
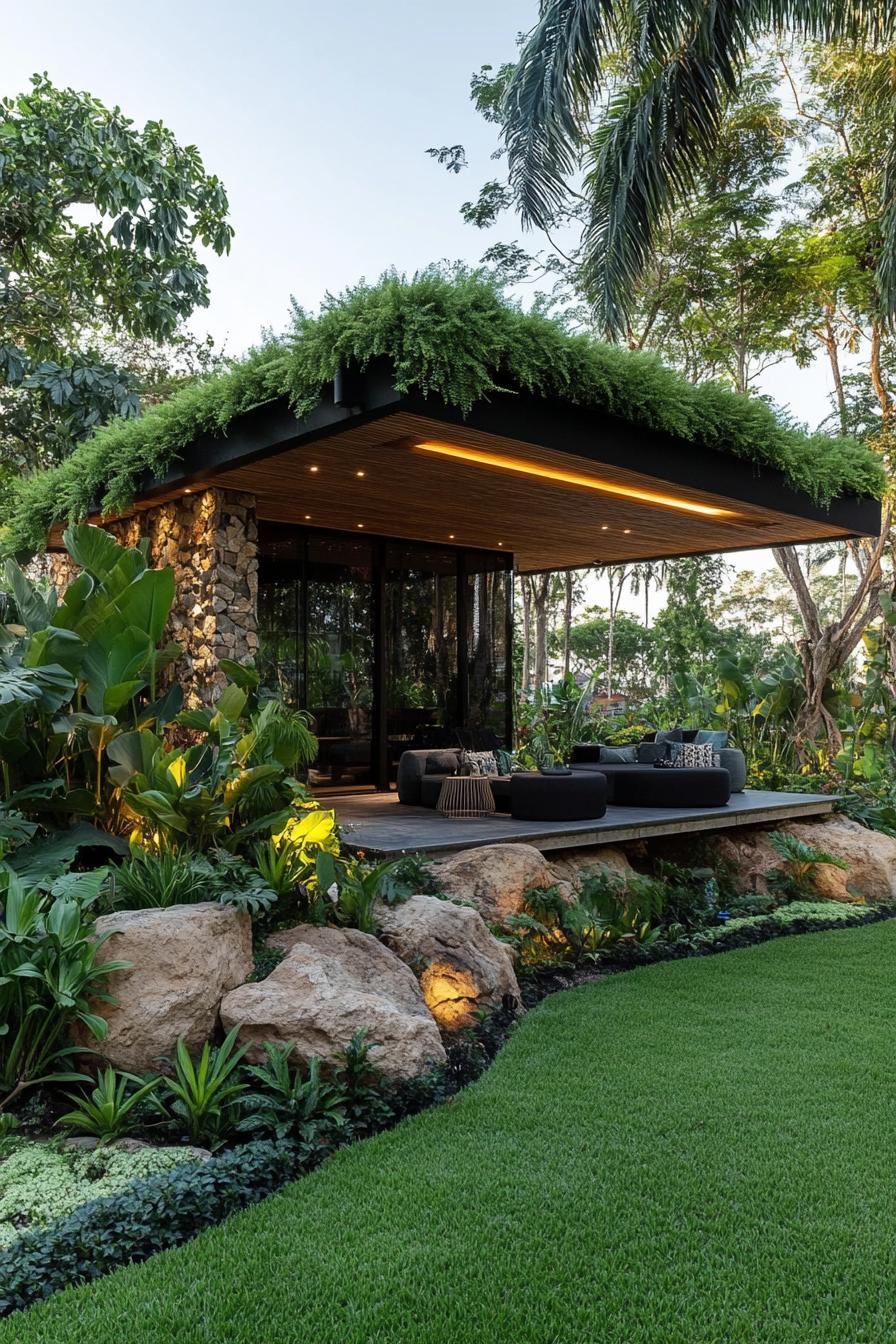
[[669, 735], [692, 755], [480, 762]]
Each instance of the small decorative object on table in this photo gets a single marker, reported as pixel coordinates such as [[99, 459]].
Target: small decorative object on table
[[463, 796], [554, 770]]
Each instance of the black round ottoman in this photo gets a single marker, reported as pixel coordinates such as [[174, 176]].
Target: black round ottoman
[[675, 787], [578, 797]]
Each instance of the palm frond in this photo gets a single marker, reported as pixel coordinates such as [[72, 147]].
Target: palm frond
[[549, 98], [684, 59]]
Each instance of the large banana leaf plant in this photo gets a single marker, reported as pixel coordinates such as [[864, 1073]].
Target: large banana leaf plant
[[76, 670]]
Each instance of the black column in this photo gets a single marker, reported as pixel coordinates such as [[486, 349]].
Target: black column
[[380, 743]]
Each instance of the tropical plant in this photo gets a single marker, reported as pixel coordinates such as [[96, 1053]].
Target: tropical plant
[[155, 881], [797, 880], [690, 895], [226, 789], [111, 1109], [360, 1083], [201, 1099], [560, 713], [50, 979], [354, 887], [77, 670], [285, 1105], [608, 909]]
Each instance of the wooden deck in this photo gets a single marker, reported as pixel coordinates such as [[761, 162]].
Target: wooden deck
[[380, 825]]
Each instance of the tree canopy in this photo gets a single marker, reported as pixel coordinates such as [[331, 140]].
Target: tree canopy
[[99, 227]]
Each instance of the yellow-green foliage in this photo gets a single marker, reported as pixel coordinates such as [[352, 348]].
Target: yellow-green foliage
[[455, 336], [40, 1182]]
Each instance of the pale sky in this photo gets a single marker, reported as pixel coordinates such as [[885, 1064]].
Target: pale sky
[[317, 119]]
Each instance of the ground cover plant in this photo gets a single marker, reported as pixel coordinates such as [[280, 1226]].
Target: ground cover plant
[[695, 1184], [42, 1182]]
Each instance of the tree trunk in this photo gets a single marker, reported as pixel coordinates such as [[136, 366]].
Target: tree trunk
[[567, 622], [825, 649], [541, 588], [526, 597]]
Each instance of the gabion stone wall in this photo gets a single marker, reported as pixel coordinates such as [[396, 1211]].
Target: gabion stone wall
[[210, 539]]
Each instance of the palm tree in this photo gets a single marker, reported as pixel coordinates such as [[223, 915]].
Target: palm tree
[[683, 60]]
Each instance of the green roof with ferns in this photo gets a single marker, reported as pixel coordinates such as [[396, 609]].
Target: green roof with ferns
[[453, 336]]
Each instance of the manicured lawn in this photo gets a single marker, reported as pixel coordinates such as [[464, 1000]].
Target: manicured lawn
[[699, 1151]]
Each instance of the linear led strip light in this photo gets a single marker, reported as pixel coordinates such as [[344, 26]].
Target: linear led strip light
[[575, 478]]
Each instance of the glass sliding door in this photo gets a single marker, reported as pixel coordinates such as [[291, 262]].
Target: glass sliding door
[[420, 630], [387, 644], [339, 691], [281, 615], [486, 595]]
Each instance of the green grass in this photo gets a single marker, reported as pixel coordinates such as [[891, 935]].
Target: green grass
[[696, 1151]]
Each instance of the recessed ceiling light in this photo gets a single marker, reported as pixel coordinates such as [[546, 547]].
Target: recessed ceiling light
[[360, 524], [307, 517], [626, 530], [359, 473], [604, 526], [188, 491], [500, 543], [314, 468], [450, 536]]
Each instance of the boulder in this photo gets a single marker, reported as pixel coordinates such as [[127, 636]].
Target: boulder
[[749, 855], [184, 959], [494, 878], [461, 966], [871, 857], [571, 865], [331, 983], [746, 854]]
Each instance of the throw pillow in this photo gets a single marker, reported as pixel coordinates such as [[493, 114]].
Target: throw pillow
[[718, 740], [669, 735], [649, 737], [618, 756], [648, 753], [504, 761], [585, 753], [480, 762], [692, 755], [689, 734], [442, 762]]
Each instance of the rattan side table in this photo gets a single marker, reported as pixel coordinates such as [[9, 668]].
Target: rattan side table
[[466, 796]]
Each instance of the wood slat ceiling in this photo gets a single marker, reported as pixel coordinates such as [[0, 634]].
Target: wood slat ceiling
[[371, 478]]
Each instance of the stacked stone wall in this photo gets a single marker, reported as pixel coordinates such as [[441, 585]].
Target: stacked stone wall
[[210, 539]]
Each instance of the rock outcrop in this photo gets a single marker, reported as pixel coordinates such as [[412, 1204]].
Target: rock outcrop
[[870, 856], [184, 959], [331, 983], [461, 966], [494, 878]]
